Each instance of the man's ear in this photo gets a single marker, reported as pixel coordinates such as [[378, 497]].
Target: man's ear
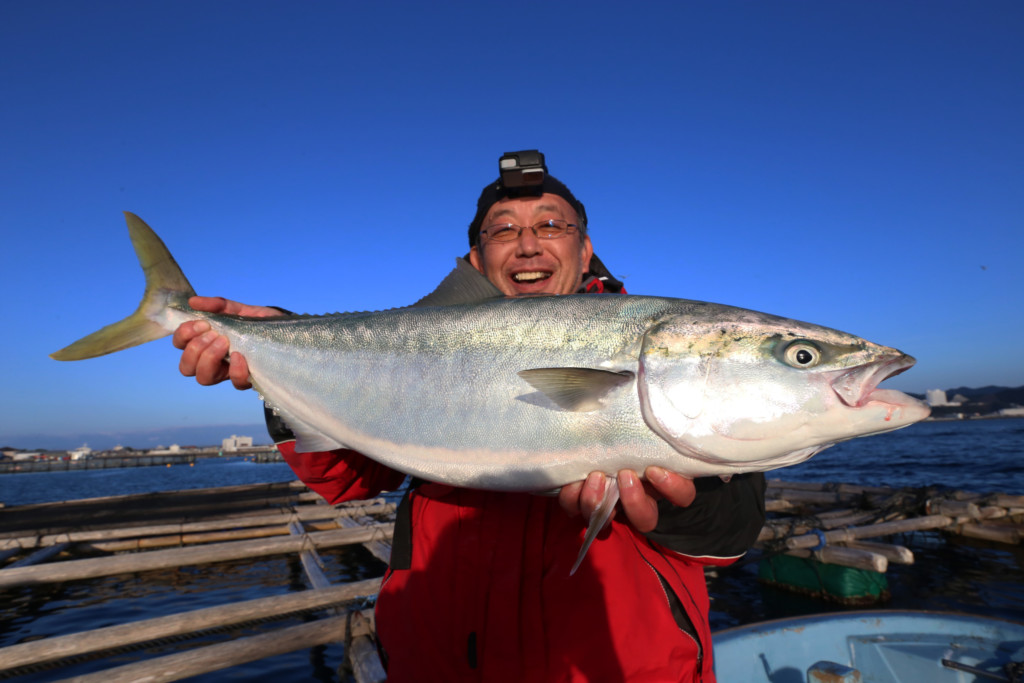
[[586, 251], [477, 261]]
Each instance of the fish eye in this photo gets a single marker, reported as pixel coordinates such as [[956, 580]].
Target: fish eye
[[802, 354]]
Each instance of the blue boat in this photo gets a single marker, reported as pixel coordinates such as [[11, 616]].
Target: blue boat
[[872, 646]]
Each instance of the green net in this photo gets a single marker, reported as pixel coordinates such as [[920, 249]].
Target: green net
[[834, 582]]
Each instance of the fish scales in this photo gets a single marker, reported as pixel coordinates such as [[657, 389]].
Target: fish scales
[[534, 393], [442, 383]]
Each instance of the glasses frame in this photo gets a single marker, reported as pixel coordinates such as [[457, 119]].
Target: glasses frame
[[570, 228]]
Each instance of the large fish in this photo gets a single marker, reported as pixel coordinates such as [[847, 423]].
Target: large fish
[[530, 394]]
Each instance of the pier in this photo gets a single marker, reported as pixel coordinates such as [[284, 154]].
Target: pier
[[145, 459]]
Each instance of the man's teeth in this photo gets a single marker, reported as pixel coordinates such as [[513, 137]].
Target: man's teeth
[[532, 276]]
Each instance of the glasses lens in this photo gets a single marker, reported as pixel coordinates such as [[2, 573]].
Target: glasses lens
[[547, 230], [502, 232], [551, 229]]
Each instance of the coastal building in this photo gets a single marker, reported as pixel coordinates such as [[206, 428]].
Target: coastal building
[[27, 455], [236, 442], [937, 397]]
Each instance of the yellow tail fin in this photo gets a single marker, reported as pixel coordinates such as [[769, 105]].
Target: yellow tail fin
[[165, 284]]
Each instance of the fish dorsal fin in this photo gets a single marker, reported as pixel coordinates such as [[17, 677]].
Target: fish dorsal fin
[[579, 390], [463, 285]]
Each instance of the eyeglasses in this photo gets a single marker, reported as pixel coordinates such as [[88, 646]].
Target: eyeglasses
[[546, 230]]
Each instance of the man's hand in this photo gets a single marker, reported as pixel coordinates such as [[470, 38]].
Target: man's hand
[[204, 352], [638, 499]]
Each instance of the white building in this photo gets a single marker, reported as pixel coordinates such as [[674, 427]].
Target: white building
[[236, 442], [83, 452], [935, 397]]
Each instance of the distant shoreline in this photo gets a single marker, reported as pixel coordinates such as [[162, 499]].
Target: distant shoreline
[[965, 418]]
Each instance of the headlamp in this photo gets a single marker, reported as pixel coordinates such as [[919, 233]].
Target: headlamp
[[522, 172]]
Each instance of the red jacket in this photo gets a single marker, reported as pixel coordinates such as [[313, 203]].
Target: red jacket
[[479, 587]]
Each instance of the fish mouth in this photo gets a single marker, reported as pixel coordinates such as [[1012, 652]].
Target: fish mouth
[[859, 387]]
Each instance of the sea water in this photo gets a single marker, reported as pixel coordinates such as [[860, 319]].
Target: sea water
[[949, 573]]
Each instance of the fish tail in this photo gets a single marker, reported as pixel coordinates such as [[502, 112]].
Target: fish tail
[[165, 285]]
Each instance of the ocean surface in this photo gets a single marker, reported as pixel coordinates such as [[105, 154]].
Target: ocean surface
[[950, 573]]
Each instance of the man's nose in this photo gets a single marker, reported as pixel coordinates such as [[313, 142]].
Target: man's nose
[[528, 244]]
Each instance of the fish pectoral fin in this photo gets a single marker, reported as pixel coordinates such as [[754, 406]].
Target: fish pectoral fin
[[576, 389], [598, 519]]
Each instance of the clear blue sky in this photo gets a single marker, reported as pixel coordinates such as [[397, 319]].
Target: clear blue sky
[[855, 164]]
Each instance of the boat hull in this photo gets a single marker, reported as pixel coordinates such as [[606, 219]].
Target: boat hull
[[882, 645]]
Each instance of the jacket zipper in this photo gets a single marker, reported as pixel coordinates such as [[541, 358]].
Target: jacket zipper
[[668, 602]]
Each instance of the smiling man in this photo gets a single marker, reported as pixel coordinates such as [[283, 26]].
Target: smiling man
[[531, 244], [478, 586]]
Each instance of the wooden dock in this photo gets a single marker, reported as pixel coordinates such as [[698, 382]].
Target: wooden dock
[[44, 544], [47, 544]]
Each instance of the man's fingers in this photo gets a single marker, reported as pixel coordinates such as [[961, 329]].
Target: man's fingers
[[211, 368], [640, 508], [592, 493], [193, 351], [186, 332], [637, 498], [238, 371], [569, 498], [218, 304], [211, 304], [675, 488]]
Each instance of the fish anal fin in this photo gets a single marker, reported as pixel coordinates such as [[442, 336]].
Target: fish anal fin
[[308, 439], [313, 442], [576, 389]]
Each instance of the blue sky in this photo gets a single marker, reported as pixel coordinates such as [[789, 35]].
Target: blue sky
[[855, 164]]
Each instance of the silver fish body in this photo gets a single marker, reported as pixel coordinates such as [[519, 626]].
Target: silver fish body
[[533, 393], [474, 395]]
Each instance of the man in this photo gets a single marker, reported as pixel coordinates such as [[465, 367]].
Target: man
[[479, 588]]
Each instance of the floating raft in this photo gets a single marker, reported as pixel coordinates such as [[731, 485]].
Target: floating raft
[[44, 544], [825, 525], [816, 540]]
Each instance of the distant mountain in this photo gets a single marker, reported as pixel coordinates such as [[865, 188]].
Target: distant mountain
[[210, 435]]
